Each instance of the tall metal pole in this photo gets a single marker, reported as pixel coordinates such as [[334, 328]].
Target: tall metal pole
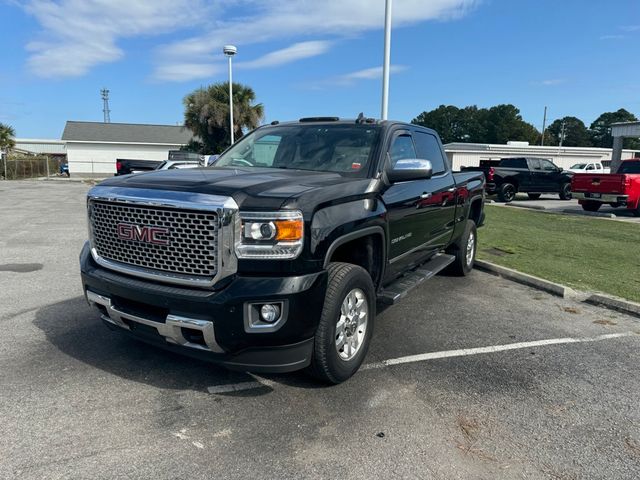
[[387, 59], [231, 99], [544, 125]]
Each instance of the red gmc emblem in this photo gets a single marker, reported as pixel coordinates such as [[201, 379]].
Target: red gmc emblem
[[143, 233]]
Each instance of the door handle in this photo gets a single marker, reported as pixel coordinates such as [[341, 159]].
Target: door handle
[[425, 195], [451, 190]]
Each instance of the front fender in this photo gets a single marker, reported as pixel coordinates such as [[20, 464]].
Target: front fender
[[346, 220]]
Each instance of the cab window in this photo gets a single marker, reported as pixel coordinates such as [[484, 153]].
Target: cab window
[[402, 149]]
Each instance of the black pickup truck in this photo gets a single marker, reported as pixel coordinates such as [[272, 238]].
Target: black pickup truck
[[533, 176], [274, 259]]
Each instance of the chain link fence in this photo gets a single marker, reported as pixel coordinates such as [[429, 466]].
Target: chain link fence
[[17, 167]]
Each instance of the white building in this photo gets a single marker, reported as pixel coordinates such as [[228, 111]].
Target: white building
[[470, 154], [93, 147]]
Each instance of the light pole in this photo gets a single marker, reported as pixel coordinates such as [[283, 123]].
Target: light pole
[[230, 51], [387, 58]]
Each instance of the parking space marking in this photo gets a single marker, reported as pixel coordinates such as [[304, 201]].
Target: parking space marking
[[238, 387], [261, 382], [492, 349]]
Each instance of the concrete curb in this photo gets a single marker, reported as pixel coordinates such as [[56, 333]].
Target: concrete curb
[[598, 299], [525, 279], [589, 214], [530, 207], [615, 303]]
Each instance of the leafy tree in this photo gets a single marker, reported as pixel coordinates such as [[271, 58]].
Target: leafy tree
[[497, 124], [207, 114], [575, 133], [601, 129], [7, 135], [453, 124]]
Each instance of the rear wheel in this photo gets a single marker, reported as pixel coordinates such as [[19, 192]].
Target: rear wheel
[[346, 324], [534, 196], [507, 192], [565, 192], [464, 251], [589, 206]]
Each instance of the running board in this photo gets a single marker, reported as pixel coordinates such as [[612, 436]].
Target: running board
[[400, 288]]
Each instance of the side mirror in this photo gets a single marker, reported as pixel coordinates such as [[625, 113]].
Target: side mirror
[[410, 169]]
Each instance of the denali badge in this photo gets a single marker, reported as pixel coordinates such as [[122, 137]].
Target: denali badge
[[143, 233]]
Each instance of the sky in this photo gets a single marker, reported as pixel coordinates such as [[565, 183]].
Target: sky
[[314, 58]]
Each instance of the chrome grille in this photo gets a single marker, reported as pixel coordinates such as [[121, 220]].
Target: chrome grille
[[191, 247]]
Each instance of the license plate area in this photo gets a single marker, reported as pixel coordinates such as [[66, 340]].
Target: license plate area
[[593, 195]]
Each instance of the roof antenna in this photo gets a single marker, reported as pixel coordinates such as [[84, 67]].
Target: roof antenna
[[360, 118]]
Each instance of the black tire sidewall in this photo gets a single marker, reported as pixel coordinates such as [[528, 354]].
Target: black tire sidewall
[[565, 195], [503, 192], [337, 369]]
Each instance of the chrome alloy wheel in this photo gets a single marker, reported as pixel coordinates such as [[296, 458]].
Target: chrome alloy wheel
[[352, 324], [471, 247]]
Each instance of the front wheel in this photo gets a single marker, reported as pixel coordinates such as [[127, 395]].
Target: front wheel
[[346, 324], [464, 251], [565, 192]]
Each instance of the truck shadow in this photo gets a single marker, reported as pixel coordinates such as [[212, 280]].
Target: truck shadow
[[75, 329]]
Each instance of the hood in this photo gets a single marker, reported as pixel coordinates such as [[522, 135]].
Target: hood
[[251, 188]]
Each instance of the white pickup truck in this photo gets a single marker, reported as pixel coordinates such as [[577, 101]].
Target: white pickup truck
[[592, 167]]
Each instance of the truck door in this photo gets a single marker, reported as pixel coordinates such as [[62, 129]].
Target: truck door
[[551, 177], [417, 209]]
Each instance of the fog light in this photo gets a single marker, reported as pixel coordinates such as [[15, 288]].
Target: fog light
[[269, 313]]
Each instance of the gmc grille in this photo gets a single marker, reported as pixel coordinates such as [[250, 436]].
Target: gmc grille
[[190, 247]]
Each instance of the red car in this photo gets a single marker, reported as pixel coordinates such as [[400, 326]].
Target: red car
[[620, 189]]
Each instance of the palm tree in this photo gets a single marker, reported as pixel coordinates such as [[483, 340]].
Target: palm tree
[[207, 114], [7, 135]]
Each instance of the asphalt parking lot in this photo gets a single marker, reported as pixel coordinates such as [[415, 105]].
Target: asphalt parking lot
[[467, 378], [552, 203]]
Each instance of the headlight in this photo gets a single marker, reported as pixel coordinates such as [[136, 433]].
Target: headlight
[[271, 235]]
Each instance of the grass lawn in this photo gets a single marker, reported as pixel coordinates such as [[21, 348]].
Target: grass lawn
[[585, 253]]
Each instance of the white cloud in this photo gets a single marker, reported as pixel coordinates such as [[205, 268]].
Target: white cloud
[[612, 37], [181, 72], [77, 35], [550, 82], [630, 28], [295, 52], [304, 18], [352, 78]]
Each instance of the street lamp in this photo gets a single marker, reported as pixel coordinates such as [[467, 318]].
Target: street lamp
[[387, 57], [230, 51]]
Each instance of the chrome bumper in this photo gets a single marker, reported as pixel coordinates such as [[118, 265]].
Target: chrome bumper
[[171, 330], [604, 198]]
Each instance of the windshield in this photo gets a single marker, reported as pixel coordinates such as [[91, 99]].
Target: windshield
[[579, 166], [630, 167], [345, 149]]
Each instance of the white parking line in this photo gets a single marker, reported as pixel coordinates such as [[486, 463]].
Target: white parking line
[[263, 382], [492, 349]]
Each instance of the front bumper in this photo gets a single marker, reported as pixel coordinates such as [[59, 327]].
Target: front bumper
[[210, 324]]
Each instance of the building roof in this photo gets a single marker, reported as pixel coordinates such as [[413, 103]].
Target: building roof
[[126, 133]]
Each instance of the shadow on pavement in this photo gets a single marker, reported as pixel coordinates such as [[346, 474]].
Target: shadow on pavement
[[76, 330]]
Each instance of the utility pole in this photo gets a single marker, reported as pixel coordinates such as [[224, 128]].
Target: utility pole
[[105, 105], [387, 59], [544, 125], [562, 129]]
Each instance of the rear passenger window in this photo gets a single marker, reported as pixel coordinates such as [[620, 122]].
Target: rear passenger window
[[428, 148], [535, 164], [514, 163]]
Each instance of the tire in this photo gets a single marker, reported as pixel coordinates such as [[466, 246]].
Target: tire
[[588, 206], [565, 191], [507, 192], [534, 196], [464, 251], [328, 363]]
